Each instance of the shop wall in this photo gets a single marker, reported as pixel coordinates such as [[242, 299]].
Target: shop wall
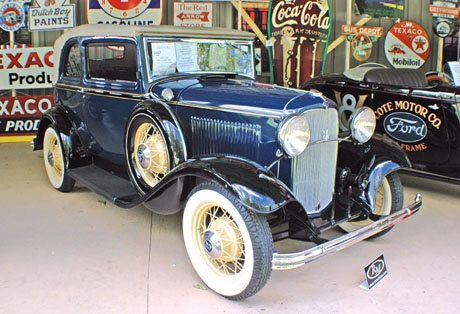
[[416, 10]]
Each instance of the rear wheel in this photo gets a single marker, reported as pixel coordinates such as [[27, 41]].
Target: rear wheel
[[230, 247], [389, 199], [55, 161], [147, 152]]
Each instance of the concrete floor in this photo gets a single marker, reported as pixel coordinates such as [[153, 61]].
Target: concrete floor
[[75, 253]]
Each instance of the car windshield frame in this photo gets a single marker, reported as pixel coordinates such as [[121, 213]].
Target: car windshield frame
[[227, 42]]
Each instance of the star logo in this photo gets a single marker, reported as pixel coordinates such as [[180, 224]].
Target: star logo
[[420, 44]]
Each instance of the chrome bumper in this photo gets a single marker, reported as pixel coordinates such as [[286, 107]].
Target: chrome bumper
[[297, 259]]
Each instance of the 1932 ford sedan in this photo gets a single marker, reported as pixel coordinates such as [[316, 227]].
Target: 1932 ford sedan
[[171, 118]]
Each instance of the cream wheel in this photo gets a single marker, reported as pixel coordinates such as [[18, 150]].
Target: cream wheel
[[148, 153], [55, 163], [389, 198], [230, 247]]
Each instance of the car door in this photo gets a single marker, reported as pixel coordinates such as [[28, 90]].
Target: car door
[[111, 91], [415, 118]]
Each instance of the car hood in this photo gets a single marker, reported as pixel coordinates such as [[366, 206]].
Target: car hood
[[242, 94]]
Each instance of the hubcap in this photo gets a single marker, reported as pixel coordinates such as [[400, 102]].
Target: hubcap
[[212, 244], [144, 156], [50, 158]]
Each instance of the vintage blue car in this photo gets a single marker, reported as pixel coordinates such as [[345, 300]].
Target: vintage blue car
[[172, 118]]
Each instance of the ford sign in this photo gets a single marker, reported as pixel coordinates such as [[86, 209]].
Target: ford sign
[[405, 127]]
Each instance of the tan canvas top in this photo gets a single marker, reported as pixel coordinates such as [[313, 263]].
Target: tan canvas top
[[107, 30]]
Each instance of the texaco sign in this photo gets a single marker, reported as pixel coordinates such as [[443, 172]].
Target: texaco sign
[[407, 45], [125, 12]]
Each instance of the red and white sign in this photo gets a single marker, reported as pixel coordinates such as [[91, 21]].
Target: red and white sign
[[26, 68], [21, 115], [407, 45], [445, 10], [125, 12], [193, 14]]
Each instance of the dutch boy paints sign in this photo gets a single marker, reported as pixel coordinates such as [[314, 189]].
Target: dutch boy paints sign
[[51, 15]]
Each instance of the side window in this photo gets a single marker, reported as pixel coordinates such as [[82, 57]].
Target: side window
[[111, 61], [73, 63]]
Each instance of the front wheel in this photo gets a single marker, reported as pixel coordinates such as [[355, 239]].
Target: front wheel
[[389, 199], [230, 247]]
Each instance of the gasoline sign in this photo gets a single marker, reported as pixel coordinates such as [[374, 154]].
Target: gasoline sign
[[133, 12], [11, 16], [407, 45]]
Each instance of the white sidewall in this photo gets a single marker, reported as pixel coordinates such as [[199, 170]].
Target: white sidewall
[[227, 285], [56, 181]]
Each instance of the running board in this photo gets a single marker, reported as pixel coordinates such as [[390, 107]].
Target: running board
[[297, 259], [110, 186]]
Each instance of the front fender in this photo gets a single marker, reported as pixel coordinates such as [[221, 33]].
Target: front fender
[[254, 186], [379, 149], [376, 175]]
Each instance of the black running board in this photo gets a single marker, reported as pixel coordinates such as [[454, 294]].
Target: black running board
[[115, 189]]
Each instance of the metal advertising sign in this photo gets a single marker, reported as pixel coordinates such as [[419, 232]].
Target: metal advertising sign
[[362, 39], [374, 272], [407, 45], [125, 12], [20, 116], [51, 15], [12, 15], [193, 14], [299, 32], [381, 8], [444, 13], [26, 68]]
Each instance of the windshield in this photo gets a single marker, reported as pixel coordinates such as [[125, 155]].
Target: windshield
[[194, 56]]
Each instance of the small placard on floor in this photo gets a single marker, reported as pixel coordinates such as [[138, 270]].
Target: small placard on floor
[[374, 272]]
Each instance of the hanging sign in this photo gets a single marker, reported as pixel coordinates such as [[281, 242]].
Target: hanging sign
[[362, 39], [299, 32], [407, 45], [124, 12], [193, 14], [444, 13], [51, 15], [381, 8], [20, 116], [26, 68], [12, 16]]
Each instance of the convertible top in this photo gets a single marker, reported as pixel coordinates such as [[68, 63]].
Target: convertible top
[[377, 73]]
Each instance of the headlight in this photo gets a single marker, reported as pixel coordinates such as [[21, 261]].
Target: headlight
[[362, 124], [294, 135]]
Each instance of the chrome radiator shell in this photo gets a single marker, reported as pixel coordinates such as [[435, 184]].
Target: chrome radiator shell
[[314, 171]]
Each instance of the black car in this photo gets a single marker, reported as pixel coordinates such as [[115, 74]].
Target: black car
[[419, 112], [172, 118]]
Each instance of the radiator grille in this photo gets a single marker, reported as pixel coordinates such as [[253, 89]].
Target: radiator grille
[[314, 170], [212, 136]]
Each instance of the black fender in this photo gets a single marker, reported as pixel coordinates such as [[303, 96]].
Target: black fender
[[370, 163], [71, 143], [253, 185], [379, 149]]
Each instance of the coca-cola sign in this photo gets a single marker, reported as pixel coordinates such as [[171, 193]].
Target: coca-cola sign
[[405, 127], [299, 31]]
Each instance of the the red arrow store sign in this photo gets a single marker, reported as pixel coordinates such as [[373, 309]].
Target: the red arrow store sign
[[193, 14]]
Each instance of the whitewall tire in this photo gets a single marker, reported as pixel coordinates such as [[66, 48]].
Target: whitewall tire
[[230, 247]]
